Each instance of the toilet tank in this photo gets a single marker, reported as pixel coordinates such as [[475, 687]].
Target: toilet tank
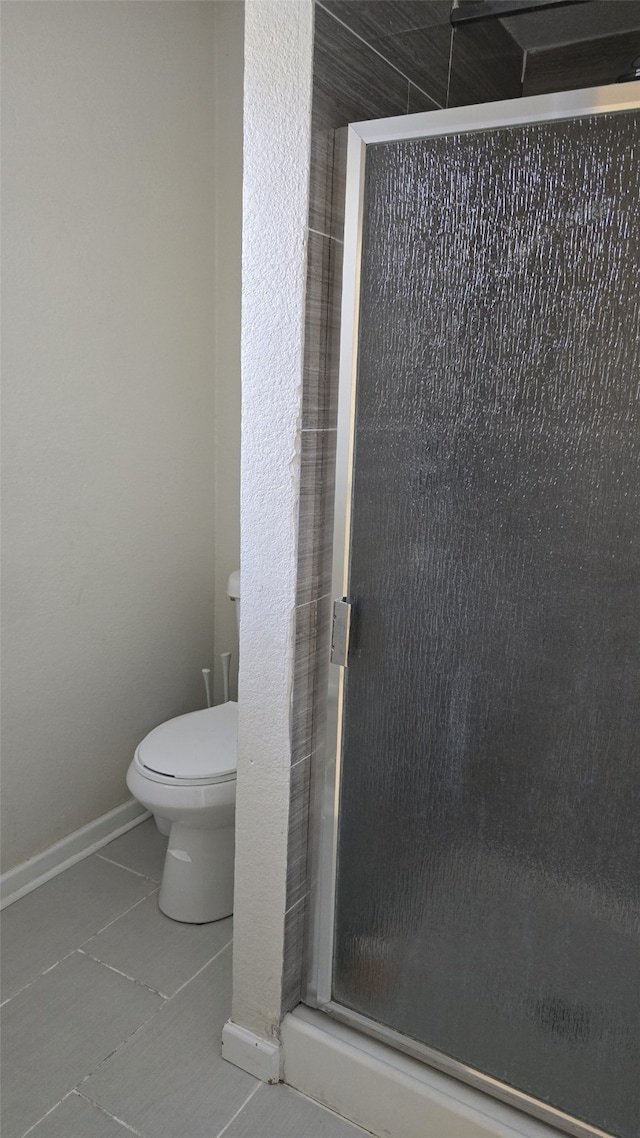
[[233, 590]]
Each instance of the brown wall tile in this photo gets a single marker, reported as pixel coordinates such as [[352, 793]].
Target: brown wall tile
[[315, 526], [292, 972], [322, 333], [351, 82], [299, 795]]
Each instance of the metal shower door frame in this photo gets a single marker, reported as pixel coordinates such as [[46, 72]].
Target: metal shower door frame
[[326, 774]]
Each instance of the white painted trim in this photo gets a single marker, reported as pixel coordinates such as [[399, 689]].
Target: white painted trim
[[387, 1092], [16, 882], [251, 1052]]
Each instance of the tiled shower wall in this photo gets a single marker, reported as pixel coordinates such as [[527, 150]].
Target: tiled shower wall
[[372, 58]]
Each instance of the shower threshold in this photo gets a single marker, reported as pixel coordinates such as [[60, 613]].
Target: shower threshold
[[390, 1084]]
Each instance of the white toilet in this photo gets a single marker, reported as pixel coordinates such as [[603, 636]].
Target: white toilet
[[184, 771]]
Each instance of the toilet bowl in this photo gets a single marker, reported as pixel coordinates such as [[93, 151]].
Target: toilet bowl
[[184, 771]]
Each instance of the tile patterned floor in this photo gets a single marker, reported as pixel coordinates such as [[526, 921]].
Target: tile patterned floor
[[112, 1015]]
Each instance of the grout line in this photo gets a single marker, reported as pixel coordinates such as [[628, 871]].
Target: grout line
[[141, 1026], [302, 760], [316, 1102], [218, 953], [114, 1117], [38, 977], [319, 233], [115, 1050], [123, 914], [329, 236], [119, 972], [306, 604], [296, 903], [249, 1096], [127, 867], [453, 32], [315, 600], [50, 1111], [436, 105], [374, 49], [79, 948], [84, 1098]]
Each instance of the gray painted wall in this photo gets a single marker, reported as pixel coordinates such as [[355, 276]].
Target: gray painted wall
[[119, 381]]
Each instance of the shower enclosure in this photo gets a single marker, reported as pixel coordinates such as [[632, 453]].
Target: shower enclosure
[[478, 847]]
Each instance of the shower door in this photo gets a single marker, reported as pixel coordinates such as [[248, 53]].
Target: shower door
[[485, 864]]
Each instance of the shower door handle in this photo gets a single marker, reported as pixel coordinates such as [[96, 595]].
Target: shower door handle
[[340, 632]]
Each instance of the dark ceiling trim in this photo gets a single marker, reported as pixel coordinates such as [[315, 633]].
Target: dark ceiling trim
[[471, 11]]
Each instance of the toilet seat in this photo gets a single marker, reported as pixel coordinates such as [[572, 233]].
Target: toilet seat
[[197, 749]]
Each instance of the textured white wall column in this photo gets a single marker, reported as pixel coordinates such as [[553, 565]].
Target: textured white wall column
[[277, 128]]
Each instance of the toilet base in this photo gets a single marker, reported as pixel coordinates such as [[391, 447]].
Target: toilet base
[[197, 883]]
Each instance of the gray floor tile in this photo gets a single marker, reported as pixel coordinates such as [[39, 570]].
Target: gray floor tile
[[77, 1118], [159, 952], [279, 1112], [142, 849], [170, 1079], [61, 1028], [41, 928]]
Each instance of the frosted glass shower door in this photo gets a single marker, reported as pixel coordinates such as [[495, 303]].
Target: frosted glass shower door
[[488, 851]]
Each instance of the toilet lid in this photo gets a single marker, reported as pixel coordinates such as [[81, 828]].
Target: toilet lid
[[199, 747]]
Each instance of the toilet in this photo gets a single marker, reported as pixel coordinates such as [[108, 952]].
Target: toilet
[[184, 771]]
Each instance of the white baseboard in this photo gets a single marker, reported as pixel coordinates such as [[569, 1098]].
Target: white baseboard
[[15, 883], [244, 1049], [387, 1092]]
